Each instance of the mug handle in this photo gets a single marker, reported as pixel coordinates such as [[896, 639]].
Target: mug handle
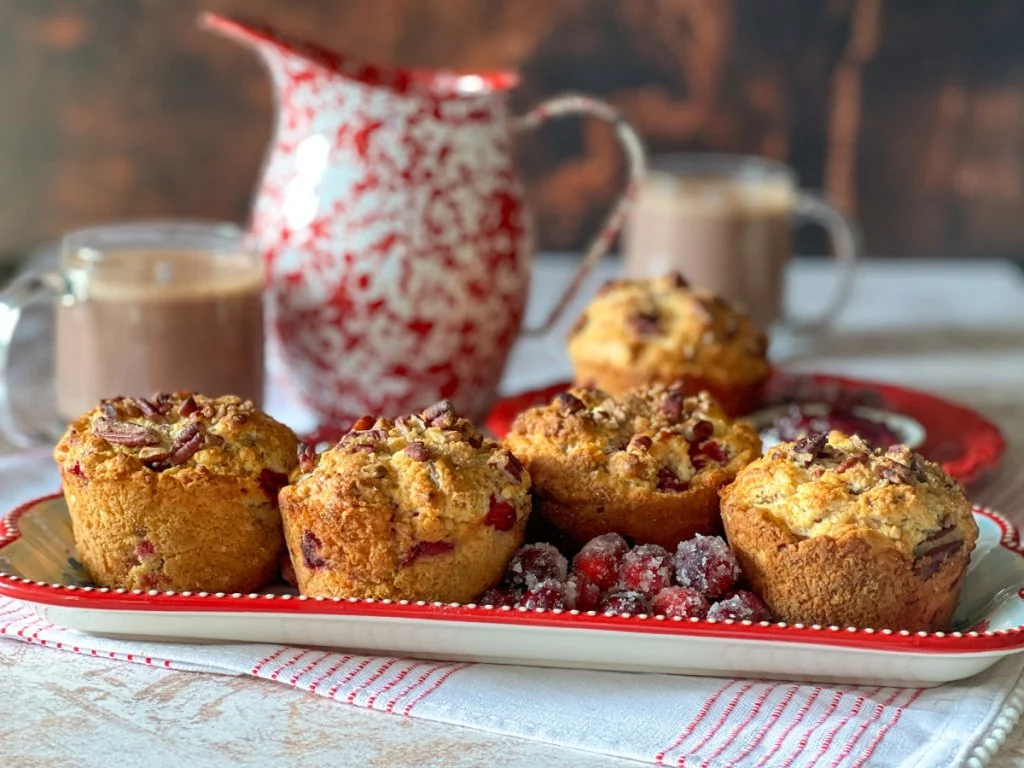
[[813, 208], [636, 159], [23, 292]]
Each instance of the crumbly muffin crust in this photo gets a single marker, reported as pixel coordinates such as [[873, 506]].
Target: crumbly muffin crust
[[831, 531], [178, 491], [424, 508], [638, 332], [647, 465]]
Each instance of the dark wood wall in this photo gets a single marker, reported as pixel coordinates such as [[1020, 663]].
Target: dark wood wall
[[909, 112]]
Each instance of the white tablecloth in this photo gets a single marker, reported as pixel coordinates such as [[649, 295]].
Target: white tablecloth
[[955, 329]]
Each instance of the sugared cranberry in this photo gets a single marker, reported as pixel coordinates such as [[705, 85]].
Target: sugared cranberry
[[682, 602], [740, 606], [625, 602], [581, 593], [426, 549], [646, 569], [549, 595], [310, 546], [668, 480], [535, 563], [500, 596], [706, 564], [501, 515], [600, 558]]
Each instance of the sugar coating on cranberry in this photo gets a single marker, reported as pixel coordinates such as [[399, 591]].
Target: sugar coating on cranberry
[[740, 606], [680, 602], [646, 569], [548, 594], [581, 593], [500, 596], [535, 563], [707, 564], [625, 602], [600, 558]]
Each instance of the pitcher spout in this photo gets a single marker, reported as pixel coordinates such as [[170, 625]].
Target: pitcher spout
[[431, 83]]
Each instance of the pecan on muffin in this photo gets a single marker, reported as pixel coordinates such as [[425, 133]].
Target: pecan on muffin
[[647, 466], [177, 492], [423, 508], [831, 532], [641, 332]]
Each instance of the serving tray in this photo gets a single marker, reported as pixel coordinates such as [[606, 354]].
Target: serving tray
[[38, 566], [962, 441]]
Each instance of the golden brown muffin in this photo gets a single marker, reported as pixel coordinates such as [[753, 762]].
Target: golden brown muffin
[[641, 332], [647, 466], [177, 493], [832, 532], [424, 508]]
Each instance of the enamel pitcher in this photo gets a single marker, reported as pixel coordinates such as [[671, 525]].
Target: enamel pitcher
[[396, 244]]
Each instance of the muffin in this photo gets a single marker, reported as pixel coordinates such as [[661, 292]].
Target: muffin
[[423, 508], [640, 332], [647, 466], [829, 531], [178, 492]]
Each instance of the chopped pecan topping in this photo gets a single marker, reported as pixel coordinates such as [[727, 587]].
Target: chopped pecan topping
[[509, 463], [668, 480], [852, 461], [125, 433], [678, 281], [440, 415], [672, 405], [641, 442], [569, 403], [811, 447], [110, 410], [417, 451], [149, 409], [645, 323], [307, 457], [896, 473]]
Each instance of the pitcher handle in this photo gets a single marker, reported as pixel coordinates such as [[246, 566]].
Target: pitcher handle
[[636, 158]]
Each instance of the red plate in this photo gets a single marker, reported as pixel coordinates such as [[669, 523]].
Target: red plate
[[964, 443]]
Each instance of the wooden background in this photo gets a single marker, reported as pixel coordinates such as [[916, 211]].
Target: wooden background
[[910, 114]]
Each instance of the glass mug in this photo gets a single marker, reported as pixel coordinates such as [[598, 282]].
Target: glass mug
[[142, 308], [725, 222]]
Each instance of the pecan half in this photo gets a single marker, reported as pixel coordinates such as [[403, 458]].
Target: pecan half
[[149, 409], [125, 433], [188, 442]]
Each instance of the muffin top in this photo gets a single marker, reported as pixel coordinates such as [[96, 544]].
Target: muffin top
[[434, 467], [169, 433], [651, 439], [832, 485], [664, 327]]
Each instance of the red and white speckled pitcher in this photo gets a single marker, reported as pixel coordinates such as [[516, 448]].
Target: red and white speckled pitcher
[[396, 243]]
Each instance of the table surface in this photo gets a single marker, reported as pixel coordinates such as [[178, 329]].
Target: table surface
[[956, 329]]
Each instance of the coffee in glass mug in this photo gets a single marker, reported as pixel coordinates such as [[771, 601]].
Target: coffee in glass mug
[[726, 223]]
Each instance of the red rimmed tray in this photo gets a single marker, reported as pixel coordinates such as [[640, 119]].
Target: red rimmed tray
[[965, 443], [37, 566]]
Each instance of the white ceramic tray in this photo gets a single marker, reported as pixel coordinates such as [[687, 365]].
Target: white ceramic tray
[[38, 566]]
